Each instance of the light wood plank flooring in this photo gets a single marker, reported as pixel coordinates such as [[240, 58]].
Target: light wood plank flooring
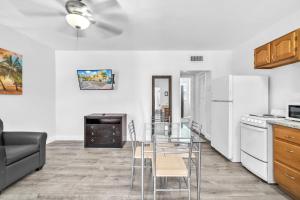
[[75, 173]]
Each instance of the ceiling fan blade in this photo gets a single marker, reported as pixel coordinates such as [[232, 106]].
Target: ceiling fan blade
[[103, 5], [109, 28], [115, 17], [40, 13], [61, 2], [36, 8]]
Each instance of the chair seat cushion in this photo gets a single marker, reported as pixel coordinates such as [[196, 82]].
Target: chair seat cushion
[[15, 153], [170, 166], [147, 152]]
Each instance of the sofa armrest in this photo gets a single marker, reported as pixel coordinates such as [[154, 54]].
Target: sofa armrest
[[2, 167], [23, 138]]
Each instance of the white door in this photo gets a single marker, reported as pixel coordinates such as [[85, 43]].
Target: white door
[[221, 138]]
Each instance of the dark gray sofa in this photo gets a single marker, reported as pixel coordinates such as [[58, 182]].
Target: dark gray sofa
[[20, 154]]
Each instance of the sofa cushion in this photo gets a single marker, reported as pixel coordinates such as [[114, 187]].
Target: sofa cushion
[[15, 153]]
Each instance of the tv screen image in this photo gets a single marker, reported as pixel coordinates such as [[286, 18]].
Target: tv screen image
[[95, 79]]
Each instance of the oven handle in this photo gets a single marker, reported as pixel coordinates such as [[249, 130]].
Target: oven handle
[[253, 128]]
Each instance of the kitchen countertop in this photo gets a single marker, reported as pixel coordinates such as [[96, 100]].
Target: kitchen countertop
[[285, 122]]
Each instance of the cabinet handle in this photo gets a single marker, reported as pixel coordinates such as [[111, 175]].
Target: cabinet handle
[[113, 140], [290, 151], [291, 177], [267, 59], [92, 133], [114, 133], [273, 58], [289, 137]]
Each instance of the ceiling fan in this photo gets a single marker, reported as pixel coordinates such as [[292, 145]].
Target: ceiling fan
[[80, 14]]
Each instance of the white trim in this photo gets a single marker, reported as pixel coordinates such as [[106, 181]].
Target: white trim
[[69, 137]]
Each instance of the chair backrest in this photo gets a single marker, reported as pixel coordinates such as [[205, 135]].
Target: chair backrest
[[132, 133], [196, 127], [1, 130]]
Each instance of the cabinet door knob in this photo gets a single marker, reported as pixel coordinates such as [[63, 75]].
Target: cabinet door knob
[[289, 137], [291, 177], [267, 59], [273, 57]]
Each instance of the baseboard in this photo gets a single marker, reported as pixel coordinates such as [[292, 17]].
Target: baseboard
[[50, 139], [69, 137]]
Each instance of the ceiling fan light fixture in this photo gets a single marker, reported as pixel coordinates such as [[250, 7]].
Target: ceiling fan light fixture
[[78, 21]]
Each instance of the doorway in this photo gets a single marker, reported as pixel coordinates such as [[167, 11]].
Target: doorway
[[195, 96], [162, 98]]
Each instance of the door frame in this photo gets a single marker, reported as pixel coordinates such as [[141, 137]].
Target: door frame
[[169, 77]]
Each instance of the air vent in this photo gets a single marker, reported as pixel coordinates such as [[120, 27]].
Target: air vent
[[196, 58]]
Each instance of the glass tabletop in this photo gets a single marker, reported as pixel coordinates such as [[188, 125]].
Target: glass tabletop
[[173, 132]]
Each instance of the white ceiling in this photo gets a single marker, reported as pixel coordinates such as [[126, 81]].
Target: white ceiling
[[151, 24]]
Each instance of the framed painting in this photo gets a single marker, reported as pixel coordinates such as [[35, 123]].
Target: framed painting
[[10, 72]]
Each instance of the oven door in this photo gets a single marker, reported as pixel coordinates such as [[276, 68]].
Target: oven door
[[254, 141]]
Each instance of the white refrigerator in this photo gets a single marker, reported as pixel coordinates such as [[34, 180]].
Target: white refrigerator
[[232, 97]]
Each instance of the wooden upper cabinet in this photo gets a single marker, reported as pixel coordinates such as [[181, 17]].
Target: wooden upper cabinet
[[262, 55], [284, 47], [279, 52]]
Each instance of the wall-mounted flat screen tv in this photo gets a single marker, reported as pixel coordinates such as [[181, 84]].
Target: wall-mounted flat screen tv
[[101, 79]]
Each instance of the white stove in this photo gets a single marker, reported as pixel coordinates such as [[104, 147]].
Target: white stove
[[259, 120], [257, 145]]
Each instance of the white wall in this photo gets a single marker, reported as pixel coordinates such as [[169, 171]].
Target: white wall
[[284, 81], [132, 95], [34, 110]]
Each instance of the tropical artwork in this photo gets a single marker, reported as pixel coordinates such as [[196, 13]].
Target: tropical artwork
[[10, 72], [95, 79]]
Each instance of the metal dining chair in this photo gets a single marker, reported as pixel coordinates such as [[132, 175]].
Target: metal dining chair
[[196, 128], [167, 163], [136, 151]]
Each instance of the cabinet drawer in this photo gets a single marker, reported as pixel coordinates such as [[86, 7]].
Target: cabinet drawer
[[288, 134], [286, 153], [102, 140], [103, 129], [287, 178]]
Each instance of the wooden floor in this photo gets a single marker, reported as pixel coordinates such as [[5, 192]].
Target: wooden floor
[[73, 172]]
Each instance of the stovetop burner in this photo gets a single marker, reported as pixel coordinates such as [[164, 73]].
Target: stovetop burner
[[266, 116]]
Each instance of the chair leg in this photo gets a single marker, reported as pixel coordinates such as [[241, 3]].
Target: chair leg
[[197, 174], [132, 173], [179, 183], [166, 184], [189, 187], [154, 188]]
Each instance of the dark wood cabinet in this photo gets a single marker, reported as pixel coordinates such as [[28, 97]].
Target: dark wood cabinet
[[105, 130]]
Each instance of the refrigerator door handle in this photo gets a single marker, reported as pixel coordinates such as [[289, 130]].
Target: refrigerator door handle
[[221, 100]]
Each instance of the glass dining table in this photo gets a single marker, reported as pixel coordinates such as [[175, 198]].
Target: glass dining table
[[177, 132]]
